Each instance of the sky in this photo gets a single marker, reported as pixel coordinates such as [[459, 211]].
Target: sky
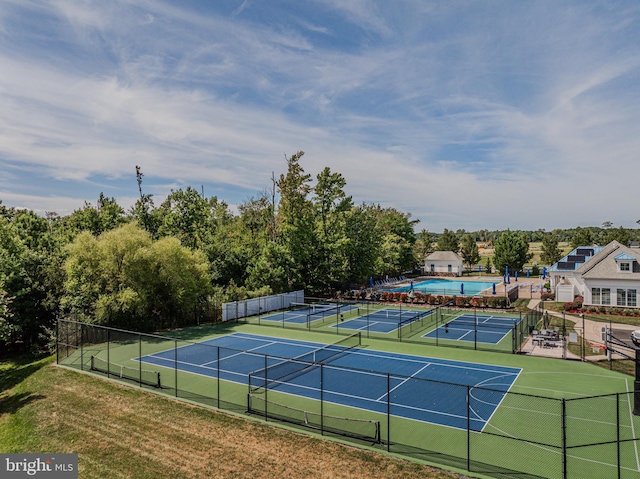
[[489, 114]]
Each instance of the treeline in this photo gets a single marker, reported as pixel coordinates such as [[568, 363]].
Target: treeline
[[172, 264], [578, 236]]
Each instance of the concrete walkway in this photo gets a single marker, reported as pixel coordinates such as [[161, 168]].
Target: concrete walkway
[[592, 333]]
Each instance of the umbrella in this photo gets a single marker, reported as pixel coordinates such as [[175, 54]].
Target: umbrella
[[493, 288], [516, 276], [461, 288], [544, 273]]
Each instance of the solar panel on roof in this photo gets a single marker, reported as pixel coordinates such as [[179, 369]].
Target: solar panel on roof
[[566, 265], [585, 251]]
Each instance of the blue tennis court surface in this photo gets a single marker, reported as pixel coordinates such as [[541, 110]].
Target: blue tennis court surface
[[301, 316], [367, 386], [382, 321], [480, 328]]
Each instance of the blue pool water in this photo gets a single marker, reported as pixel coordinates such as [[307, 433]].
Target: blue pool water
[[448, 287]]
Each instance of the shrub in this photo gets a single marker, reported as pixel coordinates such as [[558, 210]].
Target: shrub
[[478, 302], [497, 302]]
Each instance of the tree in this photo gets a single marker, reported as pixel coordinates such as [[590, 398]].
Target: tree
[[448, 241], [331, 206], [581, 237], [397, 240], [550, 251], [511, 250], [469, 250], [7, 328], [105, 216], [423, 246], [621, 235], [143, 210], [363, 242], [30, 270], [124, 278], [188, 216], [295, 221]]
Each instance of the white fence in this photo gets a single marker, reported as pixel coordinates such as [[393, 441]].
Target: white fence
[[254, 306]]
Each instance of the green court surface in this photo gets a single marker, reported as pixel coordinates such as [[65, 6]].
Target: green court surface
[[559, 418]]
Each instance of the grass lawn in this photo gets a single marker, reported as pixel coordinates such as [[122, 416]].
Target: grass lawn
[[124, 432]]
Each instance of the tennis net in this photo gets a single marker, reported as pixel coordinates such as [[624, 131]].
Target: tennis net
[[357, 428], [142, 376], [415, 323], [313, 311], [291, 368]]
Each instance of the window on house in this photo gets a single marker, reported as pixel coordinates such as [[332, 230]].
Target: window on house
[[625, 267], [595, 296], [631, 297], [606, 296], [449, 269], [433, 268], [621, 297]]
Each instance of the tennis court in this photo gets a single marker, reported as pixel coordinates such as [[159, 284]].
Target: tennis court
[[479, 328], [359, 378], [382, 321], [305, 313]]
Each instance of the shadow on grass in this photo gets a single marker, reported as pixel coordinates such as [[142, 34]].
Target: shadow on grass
[[13, 372], [13, 402]]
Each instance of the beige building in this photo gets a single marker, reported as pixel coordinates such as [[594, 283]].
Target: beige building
[[443, 263]]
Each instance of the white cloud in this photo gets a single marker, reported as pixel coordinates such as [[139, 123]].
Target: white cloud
[[466, 117]]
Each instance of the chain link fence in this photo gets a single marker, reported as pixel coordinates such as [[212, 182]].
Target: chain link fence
[[527, 436]]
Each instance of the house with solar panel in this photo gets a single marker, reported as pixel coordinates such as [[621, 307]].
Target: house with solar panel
[[603, 275], [443, 263]]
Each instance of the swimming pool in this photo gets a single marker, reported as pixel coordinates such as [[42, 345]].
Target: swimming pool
[[447, 287]]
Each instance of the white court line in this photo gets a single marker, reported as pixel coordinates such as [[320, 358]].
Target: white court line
[[400, 384], [633, 432]]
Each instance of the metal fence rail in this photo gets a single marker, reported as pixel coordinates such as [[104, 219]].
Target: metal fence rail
[[528, 436]]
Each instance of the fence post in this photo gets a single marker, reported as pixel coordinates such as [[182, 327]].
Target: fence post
[[57, 340], [321, 399], [618, 433], [218, 376], [140, 362], [564, 438], [81, 346], [468, 428], [388, 412], [108, 352], [266, 389], [175, 364]]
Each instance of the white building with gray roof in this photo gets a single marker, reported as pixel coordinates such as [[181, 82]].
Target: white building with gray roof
[[603, 276], [443, 263]]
